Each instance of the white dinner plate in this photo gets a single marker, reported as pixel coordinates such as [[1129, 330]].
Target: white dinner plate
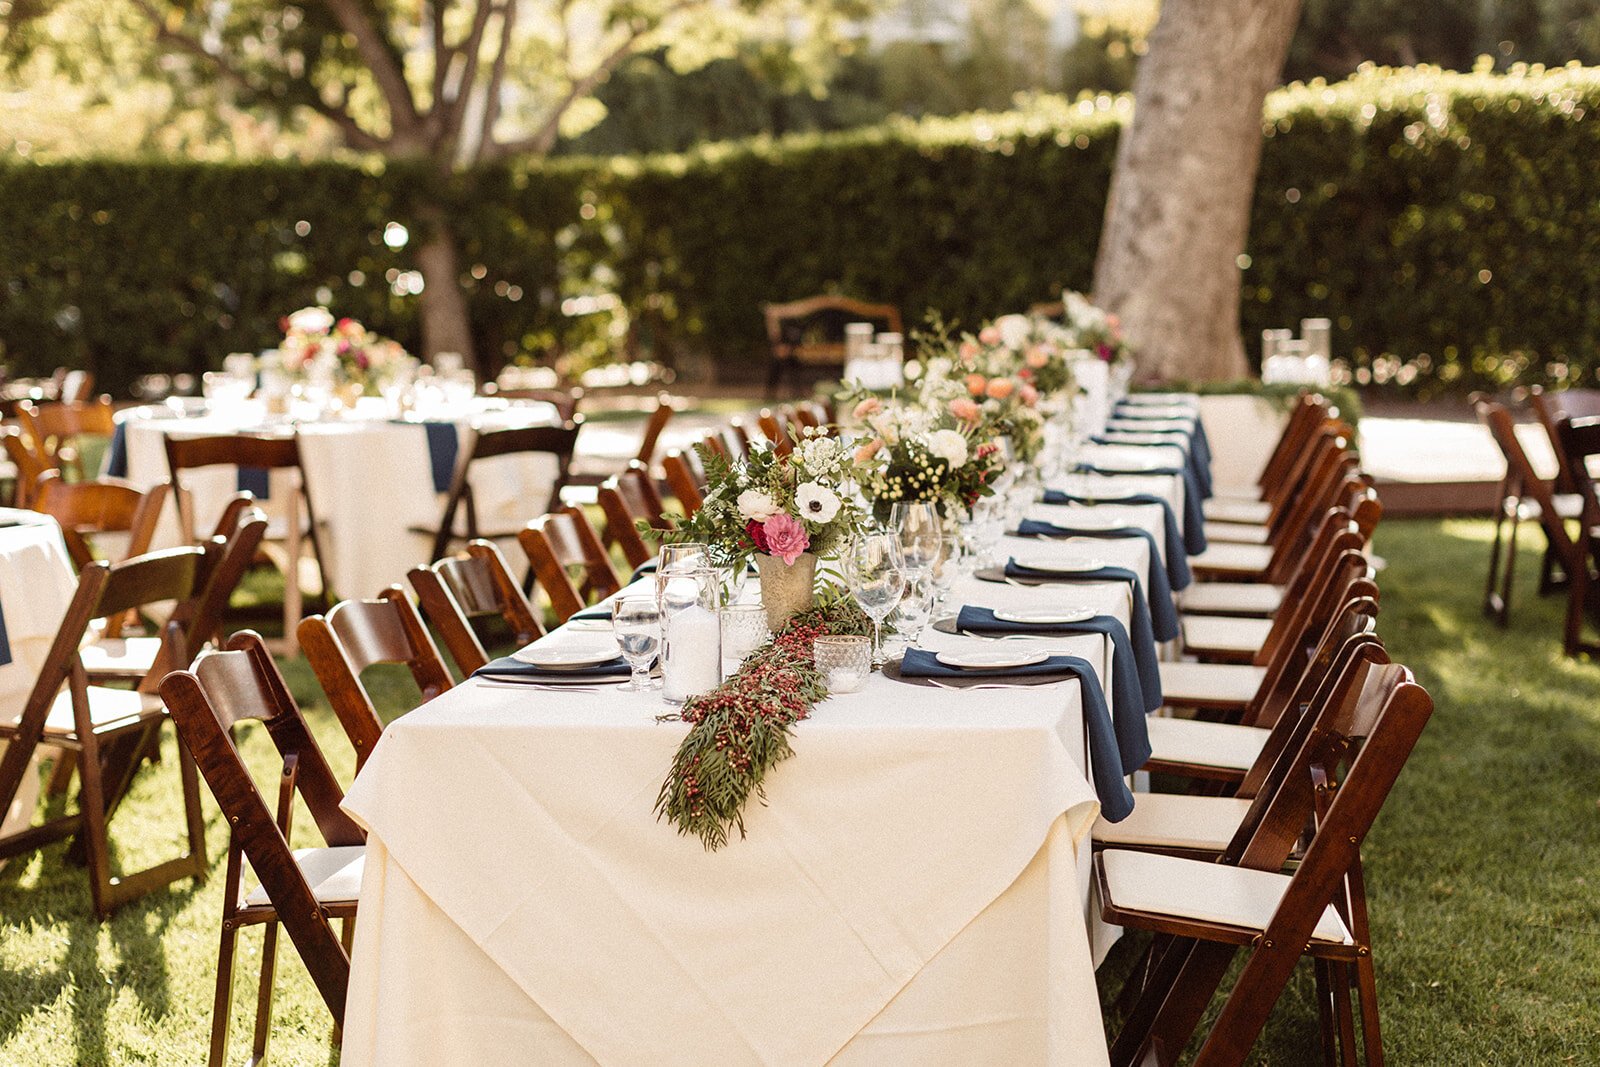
[[1087, 520], [1061, 566], [1043, 617], [564, 657], [595, 625], [989, 661]]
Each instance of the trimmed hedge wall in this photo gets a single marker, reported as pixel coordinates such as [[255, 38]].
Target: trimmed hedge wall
[[1446, 222]]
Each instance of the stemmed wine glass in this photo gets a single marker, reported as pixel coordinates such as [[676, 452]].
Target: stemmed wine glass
[[636, 624], [919, 528], [948, 568], [875, 572]]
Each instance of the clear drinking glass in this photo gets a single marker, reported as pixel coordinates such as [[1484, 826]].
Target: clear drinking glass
[[875, 573], [985, 528], [843, 661], [948, 569], [915, 609], [684, 556], [636, 624], [744, 629], [919, 528]]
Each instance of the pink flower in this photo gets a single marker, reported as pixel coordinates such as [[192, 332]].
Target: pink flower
[[964, 409], [1000, 388], [987, 449], [870, 449], [976, 383], [1104, 351], [1038, 356], [1114, 321], [758, 536], [785, 536], [968, 351], [1030, 395], [870, 406], [989, 335]]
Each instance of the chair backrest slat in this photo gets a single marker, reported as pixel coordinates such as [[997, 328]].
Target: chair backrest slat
[[477, 583], [556, 544]]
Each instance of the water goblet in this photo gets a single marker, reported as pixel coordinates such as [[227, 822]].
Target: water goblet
[[636, 624], [919, 527], [876, 576], [948, 568]]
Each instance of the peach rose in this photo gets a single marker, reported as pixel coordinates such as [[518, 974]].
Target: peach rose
[[964, 409], [999, 388], [1037, 357], [989, 335], [976, 383], [1030, 395], [868, 450], [870, 406], [968, 351]]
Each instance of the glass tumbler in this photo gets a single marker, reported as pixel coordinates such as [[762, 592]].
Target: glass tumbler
[[843, 661]]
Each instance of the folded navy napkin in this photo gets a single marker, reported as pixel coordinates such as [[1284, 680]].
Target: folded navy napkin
[[1194, 517], [1199, 446], [1191, 541], [599, 611], [1135, 672], [1156, 617], [1111, 757], [1178, 573], [444, 446], [513, 668], [117, 453]]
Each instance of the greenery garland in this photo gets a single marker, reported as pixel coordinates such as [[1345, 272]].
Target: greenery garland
[[740, 730]]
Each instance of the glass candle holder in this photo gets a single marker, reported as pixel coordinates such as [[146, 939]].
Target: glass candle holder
[[844, 662], [691, 645], [744, 629]]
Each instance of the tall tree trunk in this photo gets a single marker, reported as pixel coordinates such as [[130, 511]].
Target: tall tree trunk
[[1179, 211], [446, 321]]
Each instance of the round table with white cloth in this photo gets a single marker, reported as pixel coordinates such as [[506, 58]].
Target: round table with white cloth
[[373, 479]]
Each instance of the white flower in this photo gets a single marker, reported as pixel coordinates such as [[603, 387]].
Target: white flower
[[950, 446], [817, 503], [757, 506], [1013, 330], [311, 320]]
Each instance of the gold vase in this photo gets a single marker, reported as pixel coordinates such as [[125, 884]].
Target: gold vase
[[787, 588]]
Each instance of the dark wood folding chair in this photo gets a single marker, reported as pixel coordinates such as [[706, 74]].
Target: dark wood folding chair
[[57, 428], [734, 448], [31, 464], [775, 427], [108, 505], [665, 408], [304, 889], [1308, 413], [1550, 407], [810, 332], [472, 587], [1208, 912], [357, 634], [565, 401], [686, 477], [108, 730], [267, 453], [75, 386], [555, 441], [560, 543], [1580, 440], [626, 499]]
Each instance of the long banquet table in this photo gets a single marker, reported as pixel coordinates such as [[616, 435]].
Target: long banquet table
[[914, 889]]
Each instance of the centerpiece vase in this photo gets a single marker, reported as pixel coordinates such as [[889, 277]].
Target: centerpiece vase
[[787, 588]]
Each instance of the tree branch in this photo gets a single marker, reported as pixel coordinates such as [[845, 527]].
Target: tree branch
[[380, 59], [497, 76], [454, 112], [442, 52]]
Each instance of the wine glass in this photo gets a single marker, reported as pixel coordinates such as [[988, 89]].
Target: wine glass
[[636, 624], [948, 568], [918, 527], [874, 570], [983, 531], [915, 609]]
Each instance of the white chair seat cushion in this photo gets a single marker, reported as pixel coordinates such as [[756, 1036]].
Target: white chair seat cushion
[[1210, 892], [1231, 598], [1223, 556], [334, 875], [1217, 683], [1205, 744], [1236, 509], [1244, 533], [109, 709], [1176, 820], [1224, 633], [120, 655]]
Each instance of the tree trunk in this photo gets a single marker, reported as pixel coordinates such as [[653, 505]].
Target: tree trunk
[[1179, 210], [446, 321]]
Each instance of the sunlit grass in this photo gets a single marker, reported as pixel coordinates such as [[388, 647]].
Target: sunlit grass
[[1484, 870]]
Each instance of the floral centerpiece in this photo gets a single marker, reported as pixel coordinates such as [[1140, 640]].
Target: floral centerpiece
[[1094, 328], [946, 456], [784, 511], [343, 350], [1040, 349], [993, 376]]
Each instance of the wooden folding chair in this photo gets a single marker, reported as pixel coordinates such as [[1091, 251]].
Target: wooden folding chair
[[74, 386], [472, 587], [268, 454], [58, 427], [1210, 911], [565, 401], [108, 505], [108, 730], [775, 427], [626, 499], [686, 477], [1580, 440], [1524, 495], [30, 462], [1305, 417], [357, 634], [555, 441], [810, 332], [1550, 407], [558, 544], [665, 408], [304, 889]]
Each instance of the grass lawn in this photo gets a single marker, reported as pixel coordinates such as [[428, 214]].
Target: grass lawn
[[1484, 871]]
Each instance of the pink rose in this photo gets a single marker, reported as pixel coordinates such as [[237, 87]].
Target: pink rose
[[1104, 351], [870, 406], [999, 388], [868, 450], [967, 351], [1038, 356], [786, 537], [1030, 395], [964, 409], [989, 335]]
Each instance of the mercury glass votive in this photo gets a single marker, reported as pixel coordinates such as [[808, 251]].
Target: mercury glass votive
[[844, 662]]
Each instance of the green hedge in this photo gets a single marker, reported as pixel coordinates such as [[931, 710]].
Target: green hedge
[[1445, 222]]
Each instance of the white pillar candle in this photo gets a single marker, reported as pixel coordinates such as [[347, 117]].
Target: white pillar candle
[[691, 659]]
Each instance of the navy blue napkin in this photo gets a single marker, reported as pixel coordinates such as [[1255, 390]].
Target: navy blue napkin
[[1194, 517], [1110, 758], [444, 443], [1191, 541], [1178, 573], [117, 452], [1136, 672], [1156, 618], [1199, 449], [5, 640], [513, 668]]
